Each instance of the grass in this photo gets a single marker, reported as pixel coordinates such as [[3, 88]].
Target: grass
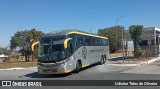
[[118, 54], [115, 55], [130, 53], [19, 64]]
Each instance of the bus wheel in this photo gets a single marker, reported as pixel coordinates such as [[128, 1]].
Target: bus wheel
[[78, 67], [102, 60]]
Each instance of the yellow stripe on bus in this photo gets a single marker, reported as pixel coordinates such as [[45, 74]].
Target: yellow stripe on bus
[[85, 65], [66, 42], [75, 32], [61, 72], [33, 45]]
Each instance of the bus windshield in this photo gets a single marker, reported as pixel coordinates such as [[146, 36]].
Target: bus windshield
[[52, 48]]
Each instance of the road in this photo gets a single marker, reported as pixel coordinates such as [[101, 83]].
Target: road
[[96, 72]]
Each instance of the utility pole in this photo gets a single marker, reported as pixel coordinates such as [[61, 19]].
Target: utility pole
[[122, 37]]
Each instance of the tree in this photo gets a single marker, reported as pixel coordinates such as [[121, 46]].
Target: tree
[[114, 43], [5, 50], [136, 33], [24, 40]]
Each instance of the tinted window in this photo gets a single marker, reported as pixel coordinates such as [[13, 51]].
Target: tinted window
[[144, 42], [88, 41], [72, 44], [105, 42], [83, 40], [94, 41], [79, 41]]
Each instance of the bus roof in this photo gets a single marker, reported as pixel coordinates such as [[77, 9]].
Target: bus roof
[[71, 31]]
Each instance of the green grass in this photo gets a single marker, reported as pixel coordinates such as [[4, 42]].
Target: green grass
[[19, 64]]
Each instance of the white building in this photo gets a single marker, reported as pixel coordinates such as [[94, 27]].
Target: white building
[[3, 58]]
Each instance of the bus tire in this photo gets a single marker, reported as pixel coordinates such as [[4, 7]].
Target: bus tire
[[78, 67], [105, 59], [102, 60]]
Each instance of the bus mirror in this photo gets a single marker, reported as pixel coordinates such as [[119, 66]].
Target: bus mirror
[[34, 44], [66, 42]]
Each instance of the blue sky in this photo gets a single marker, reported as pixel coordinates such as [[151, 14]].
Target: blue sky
[[86, 15]]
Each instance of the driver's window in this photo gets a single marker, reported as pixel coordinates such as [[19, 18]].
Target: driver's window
[[69, 49]]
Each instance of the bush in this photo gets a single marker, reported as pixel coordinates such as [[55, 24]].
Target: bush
[[142, 53]]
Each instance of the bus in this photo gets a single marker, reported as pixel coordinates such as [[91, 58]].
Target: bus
[[65, 51]]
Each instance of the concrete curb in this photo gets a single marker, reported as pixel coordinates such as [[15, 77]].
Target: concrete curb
[[150, 61], [142, 63], [123, 64], [116, 57], [17, 68]]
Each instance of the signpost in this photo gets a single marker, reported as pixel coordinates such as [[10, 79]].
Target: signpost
[[129, 47], [149, 45]]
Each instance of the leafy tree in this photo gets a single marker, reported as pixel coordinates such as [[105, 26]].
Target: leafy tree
[[136, 33], [24, 40], [5, 50], [114, 41]]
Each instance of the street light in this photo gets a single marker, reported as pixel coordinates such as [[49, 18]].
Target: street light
[[122, 36]]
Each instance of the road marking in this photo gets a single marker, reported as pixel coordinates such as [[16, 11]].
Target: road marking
[[124, 64], [18, 68]]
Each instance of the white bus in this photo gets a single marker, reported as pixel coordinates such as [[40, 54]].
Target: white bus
[[65, 51]]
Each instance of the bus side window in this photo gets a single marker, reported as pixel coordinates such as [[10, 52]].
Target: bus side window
[[73, 41], [97, 41], [70, 48], [103, 42], [106, 42], [79, 41], [88, 41], [83, 40], [94, 41]]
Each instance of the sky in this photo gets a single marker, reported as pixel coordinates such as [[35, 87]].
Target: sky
[[85, 15]]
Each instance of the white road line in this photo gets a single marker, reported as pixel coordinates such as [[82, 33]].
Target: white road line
[[123, 64], [18, 68]]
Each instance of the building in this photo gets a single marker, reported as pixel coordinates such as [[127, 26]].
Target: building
[[151, 40], [3, 58]]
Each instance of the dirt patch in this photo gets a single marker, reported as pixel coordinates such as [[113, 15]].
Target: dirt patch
[[19, 64]]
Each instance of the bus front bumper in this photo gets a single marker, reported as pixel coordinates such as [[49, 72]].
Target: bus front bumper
[[61, 72], [47, 68]]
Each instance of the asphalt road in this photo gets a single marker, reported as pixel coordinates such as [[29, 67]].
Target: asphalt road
[[96, 72]]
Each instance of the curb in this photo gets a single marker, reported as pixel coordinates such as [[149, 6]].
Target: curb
[[150, 61], [142, 63], [115, 57], [124, 64], [17, 68]]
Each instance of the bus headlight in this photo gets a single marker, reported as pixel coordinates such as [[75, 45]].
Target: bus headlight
[[61, 67]]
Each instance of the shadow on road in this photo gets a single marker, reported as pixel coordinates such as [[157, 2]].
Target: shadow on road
[[88, 67], [121, 58], [37, 75]]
